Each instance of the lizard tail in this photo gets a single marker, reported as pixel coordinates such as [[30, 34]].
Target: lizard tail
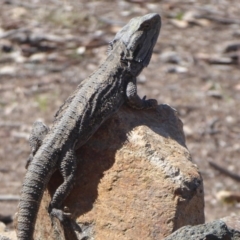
[[34, 185]]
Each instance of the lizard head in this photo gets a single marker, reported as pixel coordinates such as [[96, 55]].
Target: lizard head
[[139, 37]]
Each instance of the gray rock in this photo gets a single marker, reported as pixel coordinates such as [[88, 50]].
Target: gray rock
[[216, 230]]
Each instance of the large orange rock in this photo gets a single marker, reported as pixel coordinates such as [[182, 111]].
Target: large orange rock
[[135, 180]]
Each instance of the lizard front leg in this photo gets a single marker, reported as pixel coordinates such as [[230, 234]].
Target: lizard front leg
[[135, 101], [38, 133]]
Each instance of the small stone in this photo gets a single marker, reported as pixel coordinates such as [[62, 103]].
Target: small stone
[[38, 57], [141, 79], [177, 69], [6, 45], [187, 130], [237, 87], [18, 57], [7, 70], [81, 50], [179, 23], [189, 16], [53, 56], [236, 33], [170, 57], [215, 94], [125, 13], [230, 119], [202, 22]]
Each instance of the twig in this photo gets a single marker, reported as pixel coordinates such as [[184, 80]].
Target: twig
[[228, 197], [215, 15], [226, 172], [21, 4], [11, 32], [10, 124], [30, 85], [220, 19], [9, 197]]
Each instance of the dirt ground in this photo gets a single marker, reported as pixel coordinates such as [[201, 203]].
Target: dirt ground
[[48, 47]]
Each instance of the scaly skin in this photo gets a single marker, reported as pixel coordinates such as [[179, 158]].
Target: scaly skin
[[95, 100]]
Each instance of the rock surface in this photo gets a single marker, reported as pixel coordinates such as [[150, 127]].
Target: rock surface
[[6, 235], [223, 229], [135, 180]]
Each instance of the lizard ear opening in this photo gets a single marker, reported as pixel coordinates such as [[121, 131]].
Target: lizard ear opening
[[110, 46]]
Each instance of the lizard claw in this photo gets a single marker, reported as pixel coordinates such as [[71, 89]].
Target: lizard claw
[[60, 215], [29, 160], [151, 103]]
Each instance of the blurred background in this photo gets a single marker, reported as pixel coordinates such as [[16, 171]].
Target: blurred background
[[48, 47]]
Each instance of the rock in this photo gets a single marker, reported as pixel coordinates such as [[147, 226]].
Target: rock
[[2, 227], [224, 229], [233, 223], [10, 235], [135, 180], [4, 238]]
